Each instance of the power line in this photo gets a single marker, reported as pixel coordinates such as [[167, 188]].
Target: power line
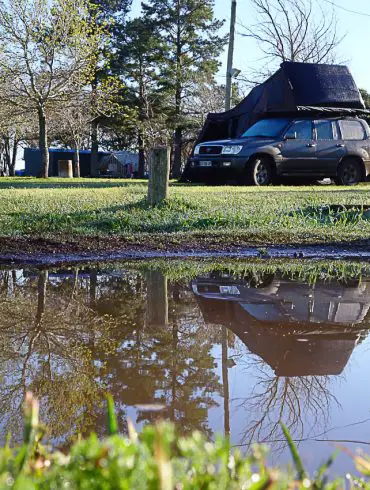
[[346, 10]]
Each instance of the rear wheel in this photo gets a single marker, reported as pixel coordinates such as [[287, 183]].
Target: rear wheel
[[259, 172], [349, 172]]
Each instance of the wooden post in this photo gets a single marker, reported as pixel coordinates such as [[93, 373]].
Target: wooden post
[[159, 174]]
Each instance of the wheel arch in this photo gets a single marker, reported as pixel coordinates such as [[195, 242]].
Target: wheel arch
[[262, 154], [359, 160]]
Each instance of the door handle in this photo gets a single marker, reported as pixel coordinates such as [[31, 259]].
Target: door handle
[[340, 145], [310, 145]]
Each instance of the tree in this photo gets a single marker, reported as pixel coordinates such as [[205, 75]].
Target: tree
[[75, 117], [16, 127], [138, 59], [190, 34], [110, 15], [47, 50], [366, 97], [288, 30]]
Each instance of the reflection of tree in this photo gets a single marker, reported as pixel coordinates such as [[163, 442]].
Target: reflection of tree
[[291, 400], [165, 359], [71, 335], [48, 354], [225, 382]]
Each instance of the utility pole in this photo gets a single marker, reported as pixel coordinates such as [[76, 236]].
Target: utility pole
[[229, 74]]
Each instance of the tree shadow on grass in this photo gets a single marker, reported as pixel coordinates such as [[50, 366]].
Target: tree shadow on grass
[[138, 217]]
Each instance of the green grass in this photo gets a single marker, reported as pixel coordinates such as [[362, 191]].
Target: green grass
[[237, 215], [156, 459], [309, 271]]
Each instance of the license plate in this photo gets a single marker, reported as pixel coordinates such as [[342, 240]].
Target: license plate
[[205, 164]]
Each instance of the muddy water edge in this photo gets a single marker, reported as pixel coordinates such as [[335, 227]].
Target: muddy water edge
[[229, 346]]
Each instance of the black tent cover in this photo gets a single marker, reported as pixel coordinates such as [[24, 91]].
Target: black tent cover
[[294, 88]]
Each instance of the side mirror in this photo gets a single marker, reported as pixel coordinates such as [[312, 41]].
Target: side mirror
[[291, 136]]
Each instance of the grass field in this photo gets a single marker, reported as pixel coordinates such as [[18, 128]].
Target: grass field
[[231, 215]]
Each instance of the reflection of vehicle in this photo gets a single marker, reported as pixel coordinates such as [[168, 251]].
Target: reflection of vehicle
[[297, 329], [338, 148]]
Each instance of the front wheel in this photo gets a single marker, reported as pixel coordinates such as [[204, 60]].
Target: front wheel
[[259, 172], [349, 172]]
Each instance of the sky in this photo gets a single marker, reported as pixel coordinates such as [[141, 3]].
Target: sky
[[354, 28]]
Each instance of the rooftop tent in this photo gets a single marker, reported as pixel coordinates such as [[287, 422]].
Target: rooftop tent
[[295, 87]]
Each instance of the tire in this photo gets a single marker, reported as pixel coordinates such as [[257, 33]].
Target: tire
[[259, 172], [349, 172]]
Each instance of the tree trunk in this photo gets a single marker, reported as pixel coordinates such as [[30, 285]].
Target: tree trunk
[[94, 163], [176, 170], [7, 162], [41, 295], [175, 339], [77, 163], [141, 154], [177, 161], [14, 158], [43, 143]]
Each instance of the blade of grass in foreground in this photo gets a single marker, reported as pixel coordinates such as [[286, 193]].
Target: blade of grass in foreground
[[111, 415], [294, 452]]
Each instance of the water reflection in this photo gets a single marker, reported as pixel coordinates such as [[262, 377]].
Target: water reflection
[[167, 348], [304, 333], [296, 328]]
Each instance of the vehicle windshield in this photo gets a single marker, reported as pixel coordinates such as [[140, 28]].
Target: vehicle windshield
[[267, 128]]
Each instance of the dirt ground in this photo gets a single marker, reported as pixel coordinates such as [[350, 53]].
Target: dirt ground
[[88, 249]]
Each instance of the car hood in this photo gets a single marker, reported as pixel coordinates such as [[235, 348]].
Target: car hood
[[249, 142]]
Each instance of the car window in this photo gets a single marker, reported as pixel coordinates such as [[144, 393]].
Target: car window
[[324, 130], [302, 128], [267, 128], [351, 130]]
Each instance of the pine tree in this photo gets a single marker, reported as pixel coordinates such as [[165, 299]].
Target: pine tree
[[112, 15], [139, 54], [190, 34]]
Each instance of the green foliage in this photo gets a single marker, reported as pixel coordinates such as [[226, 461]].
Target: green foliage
[[156, 459], [198, 214], [191, 43]]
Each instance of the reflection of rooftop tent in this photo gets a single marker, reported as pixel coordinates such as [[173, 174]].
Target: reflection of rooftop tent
[[306, 342], [294, 88]]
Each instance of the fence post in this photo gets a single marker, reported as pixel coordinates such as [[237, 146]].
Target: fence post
[[159, 174]]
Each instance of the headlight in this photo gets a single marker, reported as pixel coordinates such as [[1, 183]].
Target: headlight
[[196, 150], [232, 290], [231, 150]]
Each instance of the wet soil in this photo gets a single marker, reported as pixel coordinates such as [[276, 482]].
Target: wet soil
[[61, 249]]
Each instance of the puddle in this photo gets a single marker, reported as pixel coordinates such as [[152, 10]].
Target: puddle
[[219, 347]]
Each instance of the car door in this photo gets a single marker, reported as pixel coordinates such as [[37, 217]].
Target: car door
[[330, 148], [298, 148]]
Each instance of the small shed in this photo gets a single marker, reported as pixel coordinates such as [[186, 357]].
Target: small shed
[[122, 164], [32, 160]]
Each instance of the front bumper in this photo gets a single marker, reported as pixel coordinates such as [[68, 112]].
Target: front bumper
[[221, 168]]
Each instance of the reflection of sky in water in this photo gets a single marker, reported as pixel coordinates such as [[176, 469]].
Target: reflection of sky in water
[[297, 353]]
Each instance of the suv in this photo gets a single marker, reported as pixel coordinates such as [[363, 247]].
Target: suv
[[336, 148]]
